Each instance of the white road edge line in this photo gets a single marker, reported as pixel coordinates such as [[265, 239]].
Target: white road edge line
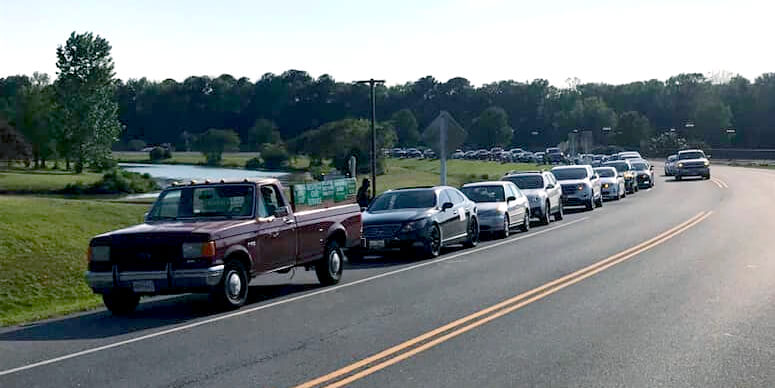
[[284, 301]]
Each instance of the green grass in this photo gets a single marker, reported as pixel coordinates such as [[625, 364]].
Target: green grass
[[412, 172], [230, 159], [44, 243], [41, 181]]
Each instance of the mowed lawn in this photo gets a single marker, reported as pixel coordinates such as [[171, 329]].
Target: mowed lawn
[[44, 242], [41, 181]]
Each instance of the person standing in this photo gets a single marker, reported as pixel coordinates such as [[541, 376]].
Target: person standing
[[364, 193]]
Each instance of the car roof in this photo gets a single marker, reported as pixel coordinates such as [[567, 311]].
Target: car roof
[[612, 162], [604, 168], [692, 150], [584, 166], [516, 173], [488, 183]]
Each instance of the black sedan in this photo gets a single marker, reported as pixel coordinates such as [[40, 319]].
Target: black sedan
[[425, 219]]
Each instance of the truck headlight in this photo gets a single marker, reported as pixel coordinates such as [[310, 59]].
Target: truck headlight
[[707, 163], [414, 225], [198, 250], [605, 185], [680, 165], [581, 187], [99, 253]]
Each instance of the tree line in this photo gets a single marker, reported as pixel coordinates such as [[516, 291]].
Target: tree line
[[80, 115]]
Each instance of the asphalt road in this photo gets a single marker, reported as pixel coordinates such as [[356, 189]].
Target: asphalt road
[[673, 286]]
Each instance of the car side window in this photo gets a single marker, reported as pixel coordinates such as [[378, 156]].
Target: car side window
[[517, 193], [457, 197], [444, 197], [271, 200]]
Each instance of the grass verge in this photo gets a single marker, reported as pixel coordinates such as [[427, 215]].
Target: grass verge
[[42, 181], [44, 242]]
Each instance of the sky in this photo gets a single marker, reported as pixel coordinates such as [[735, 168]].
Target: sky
[[611, 41]]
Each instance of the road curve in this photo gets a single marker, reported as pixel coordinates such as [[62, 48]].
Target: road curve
[[672, 286]]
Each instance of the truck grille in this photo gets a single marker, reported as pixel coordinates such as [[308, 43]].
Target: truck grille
[[145, 253], [569, 189], [380, 232], [694, 164]]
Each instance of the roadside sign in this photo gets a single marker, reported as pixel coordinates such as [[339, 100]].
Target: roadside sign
[[443, 134], [318, 193]]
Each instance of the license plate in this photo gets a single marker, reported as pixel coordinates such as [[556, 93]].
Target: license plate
[[143, 286], [376, 244]]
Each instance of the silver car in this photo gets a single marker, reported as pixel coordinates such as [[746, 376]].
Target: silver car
[[611, 183], [670, 165], [542, 191], [500, 206]]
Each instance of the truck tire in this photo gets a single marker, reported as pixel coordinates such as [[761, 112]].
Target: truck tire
[[599, 201], [473, 233], [545, 218], [590, 204], [232, 291], [678, 177], [121, 302], [560, 212], [329, 268]]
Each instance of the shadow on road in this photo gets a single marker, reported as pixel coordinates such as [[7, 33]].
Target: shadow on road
[[691, 179], [149, 315]]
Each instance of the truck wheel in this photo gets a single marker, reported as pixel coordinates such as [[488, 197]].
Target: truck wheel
[[472, 232], [678, 177], [545, 218], [432, 246], [599, 201], [329, 268], [121, 302], [707, 176], [590, 204], [232, 291]]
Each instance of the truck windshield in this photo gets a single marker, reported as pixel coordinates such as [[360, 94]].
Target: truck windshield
[[605, 172], [564, 174], [639, 166], [203, 202], [484, 193], [691, 155], [415, 199]]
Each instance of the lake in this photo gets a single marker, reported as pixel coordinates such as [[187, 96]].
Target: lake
[[185, 173]]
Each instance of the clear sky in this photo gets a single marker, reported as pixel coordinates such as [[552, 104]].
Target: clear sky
[[613, 41]]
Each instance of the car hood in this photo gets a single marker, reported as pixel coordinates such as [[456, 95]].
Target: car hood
[[394, 216], [610, 181], [574, 182], [534, 192], [210, 230]]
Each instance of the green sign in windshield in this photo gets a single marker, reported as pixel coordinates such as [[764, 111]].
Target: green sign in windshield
[[314, 194]]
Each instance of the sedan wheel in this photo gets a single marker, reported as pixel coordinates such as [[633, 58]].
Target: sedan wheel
[[506, 227], [432, 247], [526, 222], [560, 213], [473, 233], [545, 217]]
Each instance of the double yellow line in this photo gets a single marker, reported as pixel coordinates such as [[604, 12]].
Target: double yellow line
[[402, 351]]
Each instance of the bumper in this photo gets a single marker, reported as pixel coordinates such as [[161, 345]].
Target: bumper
[[164, 282], [491, 223], [612, 192], [644, 181], [699, 171], [576, 199]]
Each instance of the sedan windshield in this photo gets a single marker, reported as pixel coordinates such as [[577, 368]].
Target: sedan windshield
[[203, 202], [619, 166], [414, 199], [484, 193], [564, 174], [639, 166], [526, 182], [605, 172], [691, 155]]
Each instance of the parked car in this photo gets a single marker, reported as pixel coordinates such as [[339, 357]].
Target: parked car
[[692, 163], [516, 152], [670, 165], [414, 153], [644, 173], [543, 193], [398, 153], [624, 168], [505, 157], [526, 157], [470, 155], [483, 155], [429, 154], [554, 156], [580, 186], [500, 206], [611, 183], [214, 238], [538, 157], [458, 155], [426, 218]]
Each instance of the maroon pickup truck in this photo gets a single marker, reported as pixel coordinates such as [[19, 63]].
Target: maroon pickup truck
[[214, 238]]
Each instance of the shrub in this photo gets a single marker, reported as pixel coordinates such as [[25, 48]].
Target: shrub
[[275, 156], [115, 181], [253, 164], [136, 144], [159, 153]]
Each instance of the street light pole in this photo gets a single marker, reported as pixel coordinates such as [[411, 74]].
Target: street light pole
[[372, 82]]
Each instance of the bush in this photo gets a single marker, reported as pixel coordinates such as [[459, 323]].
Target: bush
[[136, 145], [159, 153], [115, 181], [253, 164], [275, 156]]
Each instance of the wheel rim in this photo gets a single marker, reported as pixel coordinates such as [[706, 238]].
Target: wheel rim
[[473, 231], [547, 215], [506, 225], [234, 285], [435, 240], [334, 262], [527, 222]]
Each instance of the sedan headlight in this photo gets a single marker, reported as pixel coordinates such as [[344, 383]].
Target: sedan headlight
[[414, 225], [99, 253], [198, 250]]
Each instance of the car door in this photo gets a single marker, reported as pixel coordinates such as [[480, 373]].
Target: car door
[[461, 212], [516, 207], [277, 241], [447, 217], [553, 191]]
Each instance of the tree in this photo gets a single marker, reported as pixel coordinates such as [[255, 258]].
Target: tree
[[405, 125], [665, 143], [136, 144], [632, 128], [34, 116], [491, 128], [262, 132], [215, 142], [84, 93], [13, 146], [274, 156]]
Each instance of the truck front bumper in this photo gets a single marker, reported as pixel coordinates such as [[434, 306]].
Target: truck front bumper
[[693, 171], [156, 282]]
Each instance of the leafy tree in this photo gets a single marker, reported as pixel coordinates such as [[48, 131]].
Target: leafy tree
[[632, 129], [13, 146], [262, 132], [215, 142], [274, 156], [84, 94], [33, 117], [405, 125], [491, 128], [666, 143]]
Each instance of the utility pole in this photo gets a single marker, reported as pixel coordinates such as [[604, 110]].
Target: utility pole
[[372, 82]]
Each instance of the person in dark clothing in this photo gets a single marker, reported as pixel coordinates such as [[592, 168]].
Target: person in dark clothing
[[364, 193]]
